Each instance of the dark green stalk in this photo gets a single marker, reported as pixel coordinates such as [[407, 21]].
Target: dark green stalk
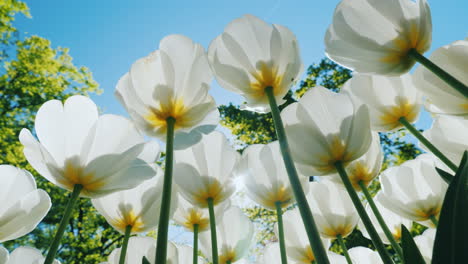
[[443, 75], [63, 224], [195, 243], [363, 215], [306, 213], [214, 240], [123, 250], [428, 144], [344, 248], [380, 219], [163, 227], [279, 215]]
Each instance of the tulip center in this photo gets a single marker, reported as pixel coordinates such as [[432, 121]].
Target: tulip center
[[174, 108], [397, 233], [213, 189], [334, 231], [127, 217], [279, 193], [403, 108], [410, 38], [307, 255], [227, 254], [464, 106], [196, 217], [425, 214], [266, 76], [74, 174], [359, 172], [337, 152]]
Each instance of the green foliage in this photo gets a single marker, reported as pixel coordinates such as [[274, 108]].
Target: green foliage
[[411, 253], [254, 128], [32, 72]]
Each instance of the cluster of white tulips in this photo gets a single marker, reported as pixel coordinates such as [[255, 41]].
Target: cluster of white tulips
[[334, 135]]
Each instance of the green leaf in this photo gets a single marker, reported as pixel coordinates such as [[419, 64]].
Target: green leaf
[[447, 177], [145, 260], [411, 253], [452, 232]]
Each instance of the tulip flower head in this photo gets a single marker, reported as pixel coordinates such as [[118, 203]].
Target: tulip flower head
[[298, 248], [449, 135], [235, 233], [425, 243], [205, 170], [393, 221], [251, 55], [76, 146], [414, 190], [23, 205], [388, 99], [441, 98], [376, 36], [364, 169], [333, 210], [265, 178], [172, 82], [23, 255], [324, 128], [138, 207]]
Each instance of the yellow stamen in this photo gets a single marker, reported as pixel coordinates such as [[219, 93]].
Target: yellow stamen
[[128, 218], [397, 233], [403, 108], [337, 153], [308, 255], [227, 255], [333, 232], [359, 172], [266, 76], [212, 189], [196, 217], [174, 108], [74, 174], [280, 194]]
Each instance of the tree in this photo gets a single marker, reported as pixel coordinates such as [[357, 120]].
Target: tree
[[32, 72], [254, 128]]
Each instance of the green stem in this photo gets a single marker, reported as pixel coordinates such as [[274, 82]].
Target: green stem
[[434, 220], [123, 250], [428, 144], [381, 221], [363, 214], [214, 240], [195, 243], [445, 76], [344, 248], [63, 224], [279, 215], [304, 209], [163, 227]]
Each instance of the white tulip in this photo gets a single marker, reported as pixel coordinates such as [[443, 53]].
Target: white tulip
[[22, 255], [265, 177], [171, 82], [388, 99], [425, 243], [206, 169], [138, 207], [298, 248], [363, 255], [450, 136], [324, 128], [251, 55], [23, 205], [414, 190], [364, 169], [375, 36], [333, 210], [393, 221], [103, 154], [441, 98], [235, 233]]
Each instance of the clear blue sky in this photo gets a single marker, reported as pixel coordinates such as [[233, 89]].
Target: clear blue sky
[[109, 35]]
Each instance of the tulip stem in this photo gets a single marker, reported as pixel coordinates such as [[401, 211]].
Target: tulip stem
[[381, 221], [434, 220], [344, 248], [304, 209], [428, 144], [195, 243], [163, 227], [363, 214], [63, 223], [214, 240], [442, 74], [123, 250], [279, 215]]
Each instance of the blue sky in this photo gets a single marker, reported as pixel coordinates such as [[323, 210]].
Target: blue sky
[[109, 35]]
